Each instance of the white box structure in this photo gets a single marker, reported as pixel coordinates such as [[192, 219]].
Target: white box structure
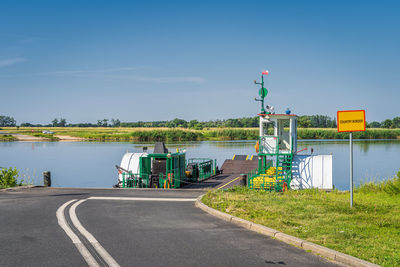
[[310, 171]]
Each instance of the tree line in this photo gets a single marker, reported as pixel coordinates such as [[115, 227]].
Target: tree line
[[305, 121], [6, 121]]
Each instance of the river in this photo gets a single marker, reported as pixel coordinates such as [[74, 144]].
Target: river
[[92, 164]]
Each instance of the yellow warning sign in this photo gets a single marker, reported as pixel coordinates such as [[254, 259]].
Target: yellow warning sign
[[351, 120]]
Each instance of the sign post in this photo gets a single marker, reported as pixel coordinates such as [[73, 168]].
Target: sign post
[[351, 121], [351, 169]]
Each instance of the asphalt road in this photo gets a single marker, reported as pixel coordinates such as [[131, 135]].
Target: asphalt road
[[132, 231]]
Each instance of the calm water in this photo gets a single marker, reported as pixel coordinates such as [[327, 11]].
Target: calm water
[[92, 164]]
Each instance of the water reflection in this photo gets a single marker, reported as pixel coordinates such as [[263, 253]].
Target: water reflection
[[91, 164]]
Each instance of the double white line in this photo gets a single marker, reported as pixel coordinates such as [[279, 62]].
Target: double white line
[[90, 260]]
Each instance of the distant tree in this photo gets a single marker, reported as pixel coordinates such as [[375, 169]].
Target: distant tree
[[396, 122], [27, 124], [333, 123], [58, 123], [87, 124], [304, 122], [198, 126], [318, 121], [6, 121], [115, 123], [192, 123], [54, 122], [62, 123], [387, 124], [179, 123], [374, 124]]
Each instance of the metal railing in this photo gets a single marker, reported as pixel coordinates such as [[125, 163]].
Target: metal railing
[[135, 180], [269, 144], [204, 166]]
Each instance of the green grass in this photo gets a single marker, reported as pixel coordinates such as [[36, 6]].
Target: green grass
[[167, 135], [322, 133], [7, 138], [183, 134], [50, 137], [370, 230], [231, 134]]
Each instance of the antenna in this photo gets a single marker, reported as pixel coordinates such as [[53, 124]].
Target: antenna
[[262, 92]]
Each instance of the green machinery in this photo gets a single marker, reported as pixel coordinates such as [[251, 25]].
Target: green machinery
[[162, 170], [276, 147], [159, 170]]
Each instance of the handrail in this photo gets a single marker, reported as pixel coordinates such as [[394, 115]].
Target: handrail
[[301, 150]]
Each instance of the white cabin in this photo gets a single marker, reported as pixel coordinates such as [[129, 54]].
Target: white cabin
[[282, 139]]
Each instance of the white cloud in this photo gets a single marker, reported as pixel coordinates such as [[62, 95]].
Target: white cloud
[[31, 40], [11, 61], [190, 79], [123, 73], [74, 72]]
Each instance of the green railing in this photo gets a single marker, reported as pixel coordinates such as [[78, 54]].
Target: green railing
[[203, 168], [271, 178], [135, 180], [263, 181], [284, 164]]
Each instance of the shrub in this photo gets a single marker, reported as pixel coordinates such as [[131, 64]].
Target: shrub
[[391, 186], [8, 177]]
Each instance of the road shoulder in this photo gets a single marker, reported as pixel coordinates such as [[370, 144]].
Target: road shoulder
[[306, 245]]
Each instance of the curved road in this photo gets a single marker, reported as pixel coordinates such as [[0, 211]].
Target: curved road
[[115, 227]]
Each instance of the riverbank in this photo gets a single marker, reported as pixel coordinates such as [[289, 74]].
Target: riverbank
[[7, 138], [178, 134], [370, 230]]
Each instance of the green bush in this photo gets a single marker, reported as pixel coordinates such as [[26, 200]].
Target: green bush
[[48, 136], [232, 134], [391, 186], [8, 177], [7, 137], [304, 133]]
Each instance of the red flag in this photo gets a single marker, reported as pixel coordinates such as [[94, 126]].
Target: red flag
[[265, 72]]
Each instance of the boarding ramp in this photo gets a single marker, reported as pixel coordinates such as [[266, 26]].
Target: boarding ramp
[[239, 164]]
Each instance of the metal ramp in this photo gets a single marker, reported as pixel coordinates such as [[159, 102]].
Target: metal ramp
[[238, 166]]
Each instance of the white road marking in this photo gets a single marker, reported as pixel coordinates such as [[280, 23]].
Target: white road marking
[[75, 239], [145, 199], [99, 248], [90, 260]]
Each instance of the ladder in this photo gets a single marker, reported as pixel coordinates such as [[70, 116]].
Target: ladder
[[284, 170]]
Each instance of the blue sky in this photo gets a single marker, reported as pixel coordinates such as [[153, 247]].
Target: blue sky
[[158, 60]]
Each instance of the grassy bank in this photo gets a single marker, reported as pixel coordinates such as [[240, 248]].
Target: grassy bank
[[7, 138], [49, 137], [370, 230], [133, 134], [183, 134], [323, 133]]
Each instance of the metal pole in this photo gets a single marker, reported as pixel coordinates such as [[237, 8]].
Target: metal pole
[[262, 98], [351, 169]]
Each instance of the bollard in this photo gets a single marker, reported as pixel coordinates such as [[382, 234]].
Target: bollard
[[243, 180], [46, 178]]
